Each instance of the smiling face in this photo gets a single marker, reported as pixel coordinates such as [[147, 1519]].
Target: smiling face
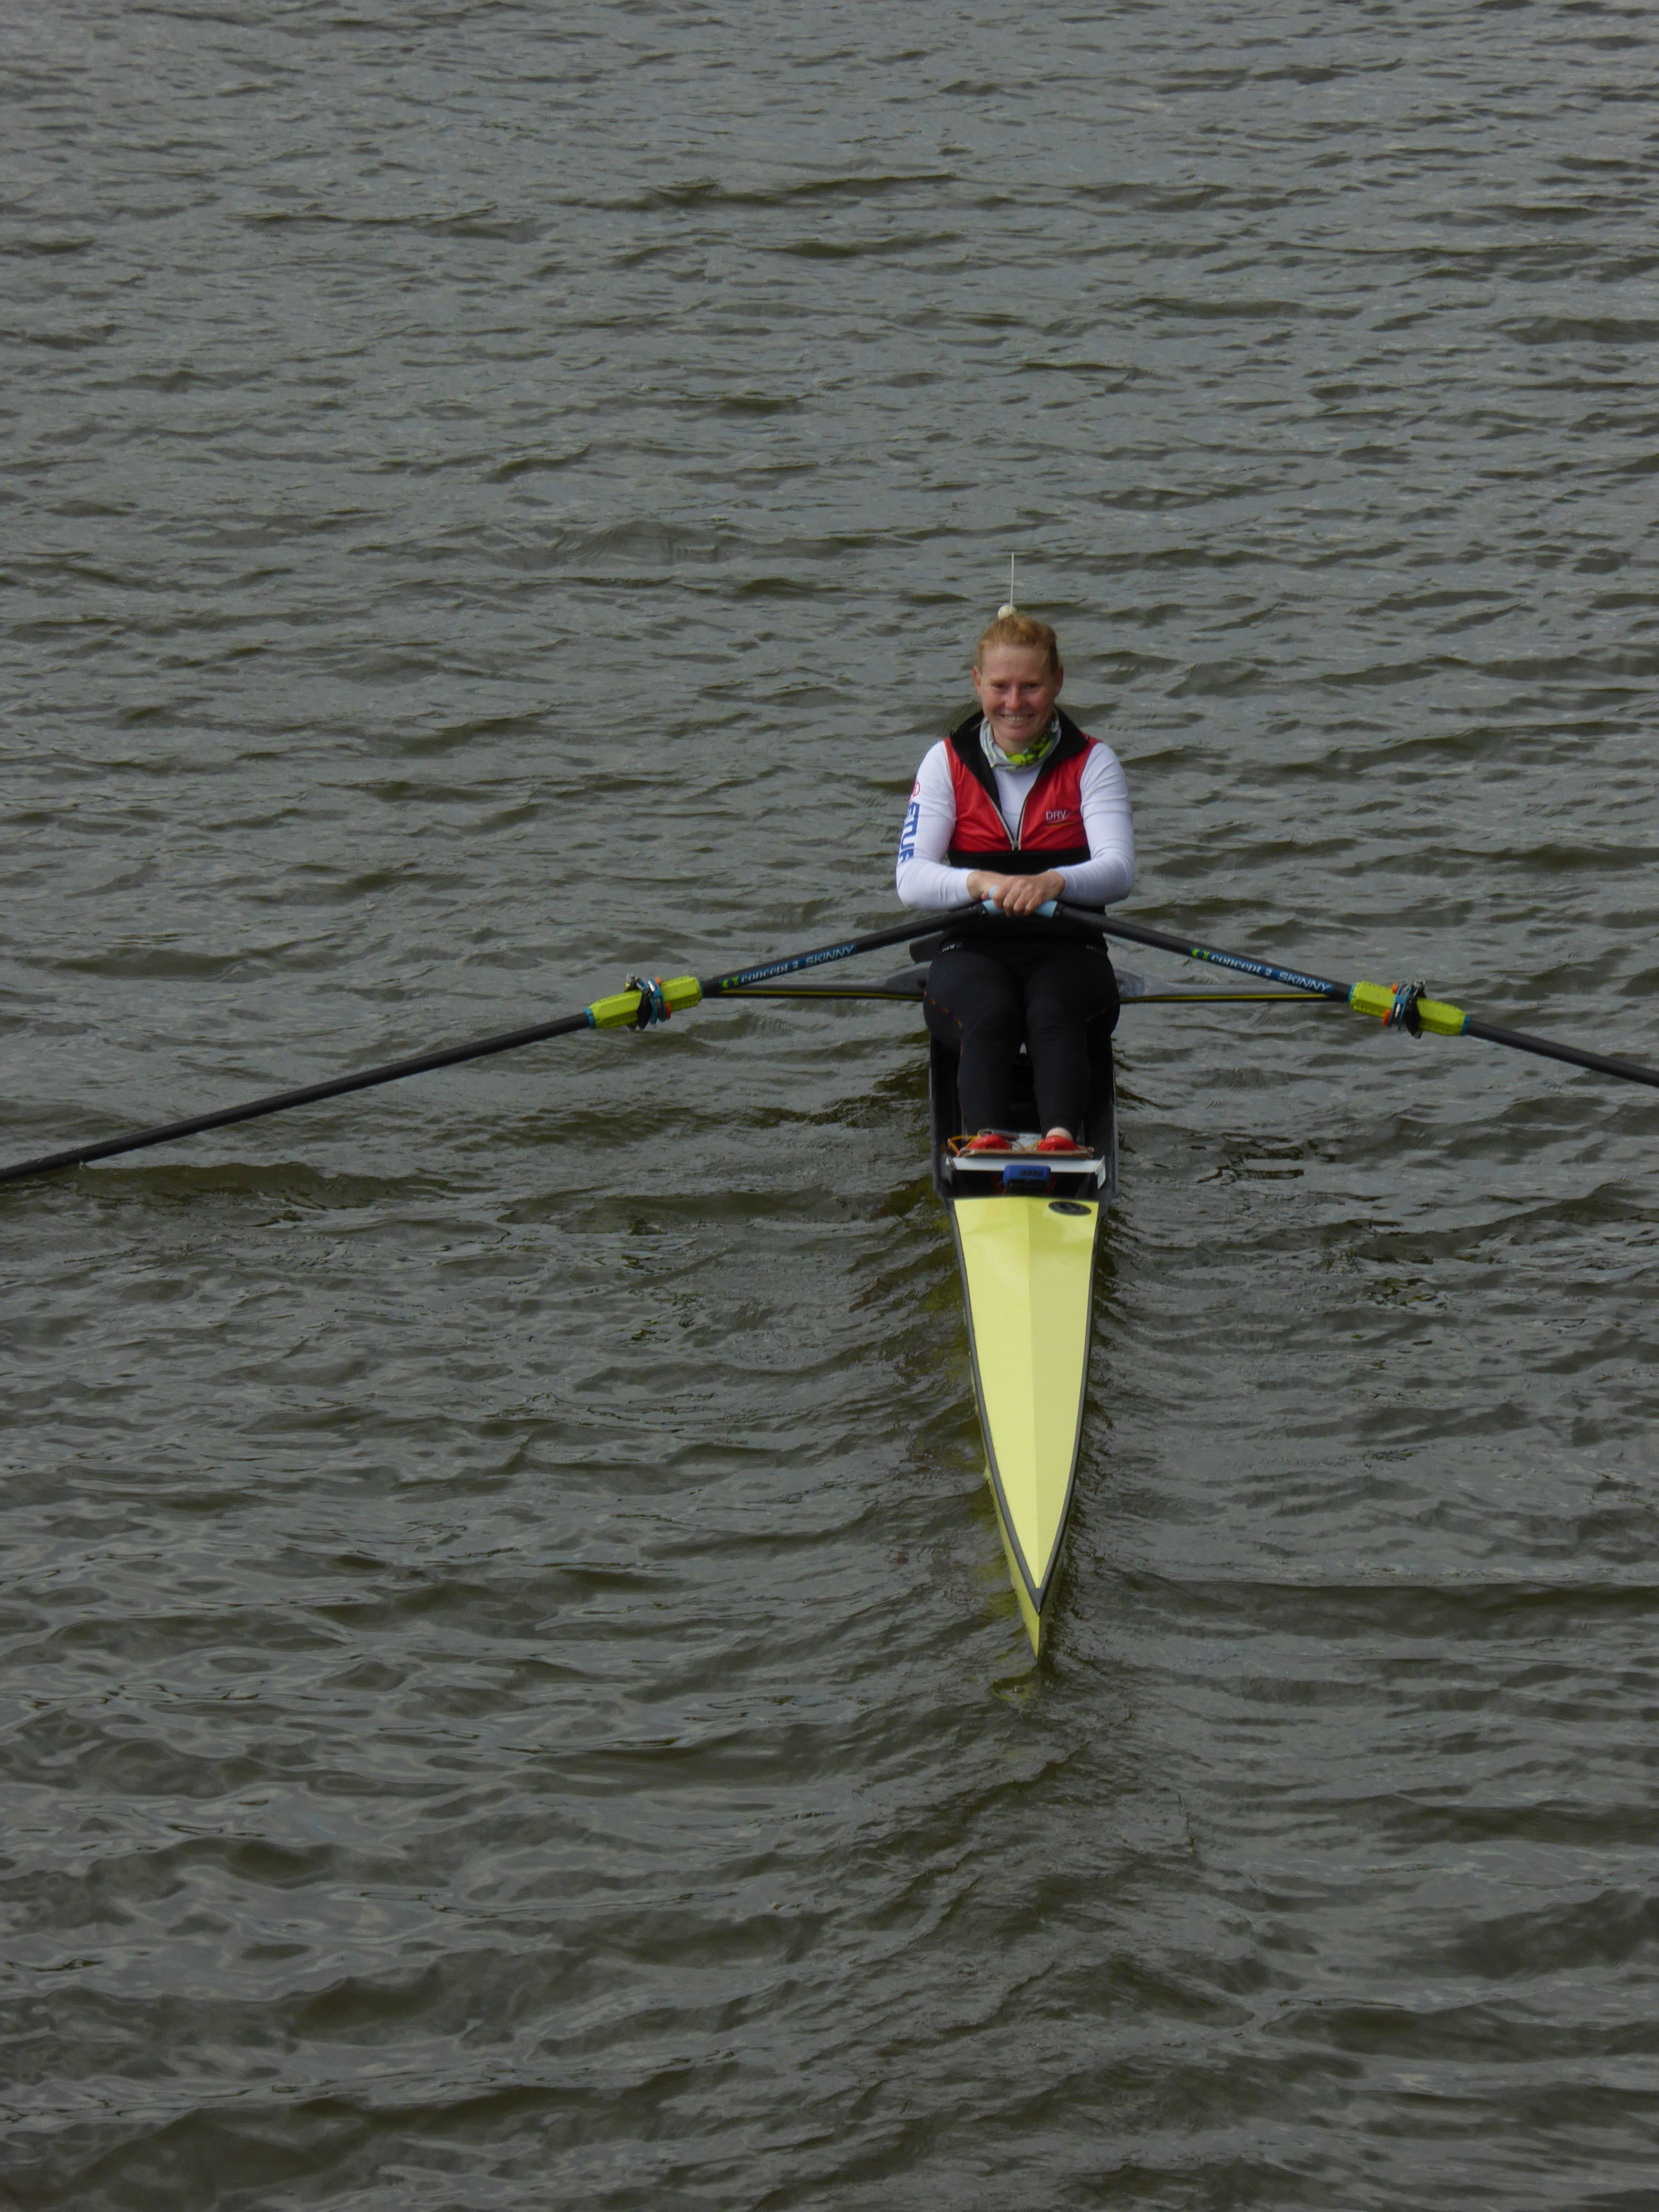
[[1018, 689]]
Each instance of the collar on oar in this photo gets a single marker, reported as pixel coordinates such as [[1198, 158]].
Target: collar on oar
[[1403, 1006], [647, 1000], [654, 1005], [650, 999]]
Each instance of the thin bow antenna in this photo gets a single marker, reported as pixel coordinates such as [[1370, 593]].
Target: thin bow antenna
[[1011, 609]]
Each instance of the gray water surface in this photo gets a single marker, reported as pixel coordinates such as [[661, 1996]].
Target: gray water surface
[[513, 1696]]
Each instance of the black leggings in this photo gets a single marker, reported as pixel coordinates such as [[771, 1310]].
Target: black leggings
[[1061, 999]]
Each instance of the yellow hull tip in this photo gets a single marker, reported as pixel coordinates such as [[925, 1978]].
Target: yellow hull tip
[[1028, 1612]]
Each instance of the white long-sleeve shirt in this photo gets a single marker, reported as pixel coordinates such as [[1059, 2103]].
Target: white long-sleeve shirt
[[926, 881]]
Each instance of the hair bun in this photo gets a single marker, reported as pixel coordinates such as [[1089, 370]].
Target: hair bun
[[1013, 628]]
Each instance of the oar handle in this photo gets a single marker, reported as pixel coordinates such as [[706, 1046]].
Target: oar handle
[[1136, 933], [769, 970]]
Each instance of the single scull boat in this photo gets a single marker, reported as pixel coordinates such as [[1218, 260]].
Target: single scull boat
[[1026, 1229]]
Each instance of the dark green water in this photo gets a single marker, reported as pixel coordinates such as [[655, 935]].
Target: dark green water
[[512, 1695]]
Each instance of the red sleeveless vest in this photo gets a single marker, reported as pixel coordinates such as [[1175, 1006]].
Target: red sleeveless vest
[[1051, 834]]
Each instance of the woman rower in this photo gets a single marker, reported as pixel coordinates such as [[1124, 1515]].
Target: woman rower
[[1018, 806]]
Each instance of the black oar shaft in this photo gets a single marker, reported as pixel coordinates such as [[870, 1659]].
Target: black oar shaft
[[614, 1010], [308, 1093], [919, 925], [607, 1013], [1602, 1062], [1137, 932], [1368, 998]]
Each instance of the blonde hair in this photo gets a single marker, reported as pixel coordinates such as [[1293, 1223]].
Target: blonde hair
[[1023, 630]]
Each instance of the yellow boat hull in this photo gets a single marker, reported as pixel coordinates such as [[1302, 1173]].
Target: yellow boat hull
[[1027, 1267]]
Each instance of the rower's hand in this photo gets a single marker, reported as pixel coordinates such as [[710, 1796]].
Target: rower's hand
[[1017, 895]]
